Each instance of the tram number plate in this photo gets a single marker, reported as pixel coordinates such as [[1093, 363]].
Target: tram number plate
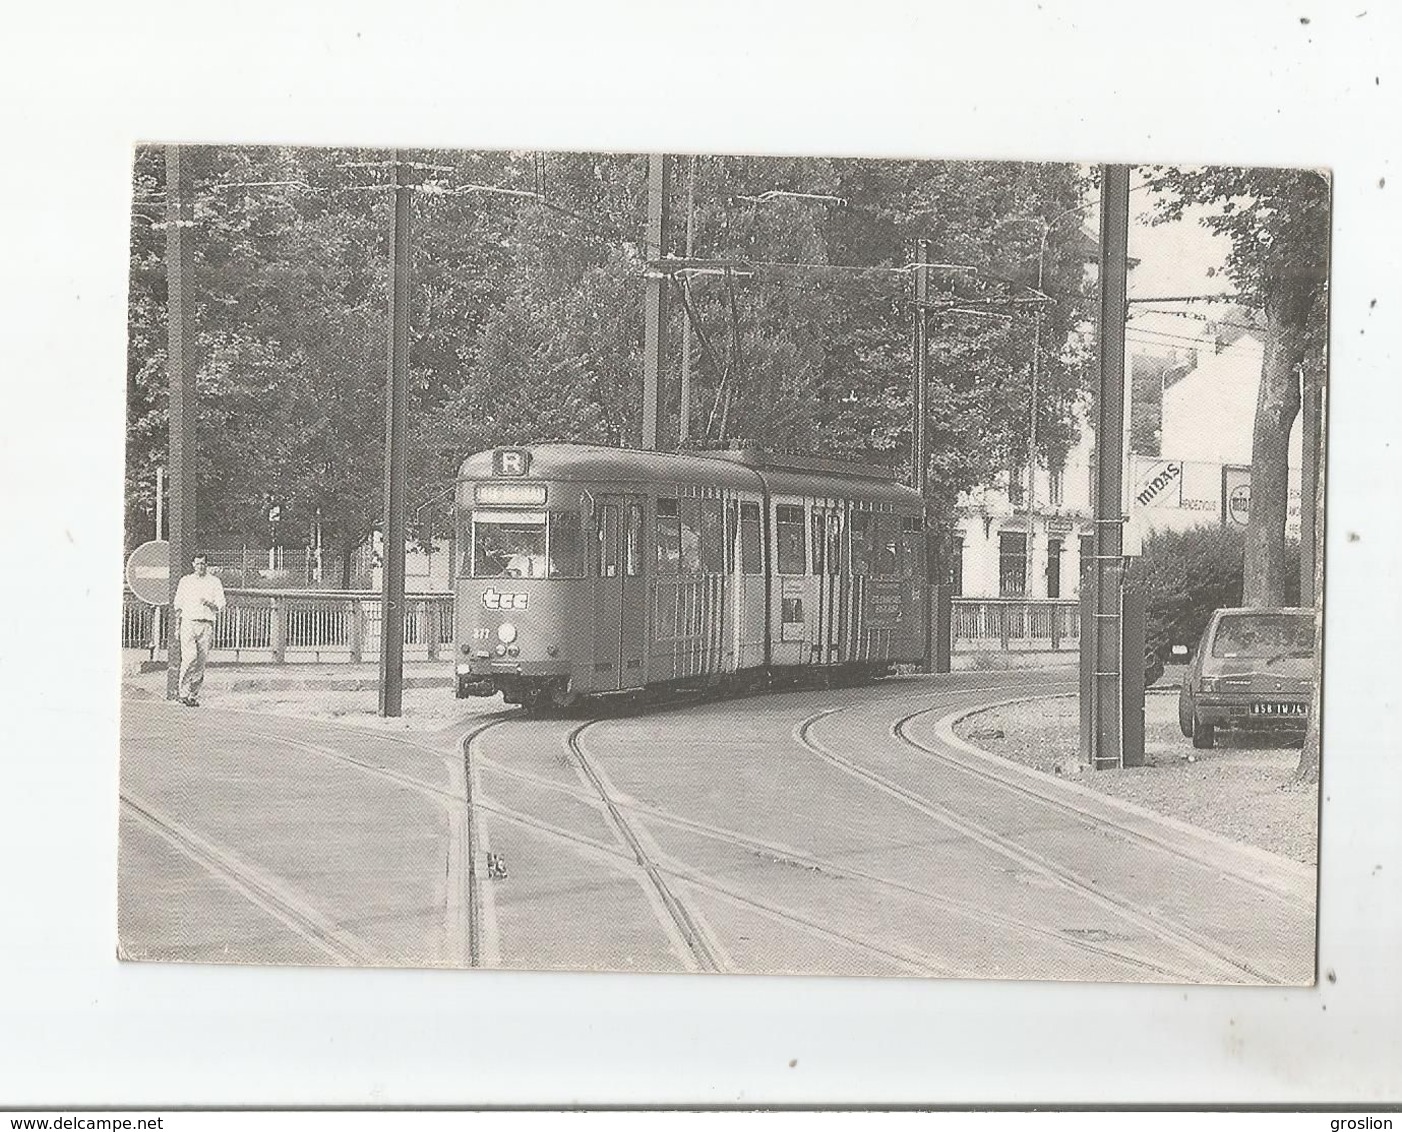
[[1277, 709]]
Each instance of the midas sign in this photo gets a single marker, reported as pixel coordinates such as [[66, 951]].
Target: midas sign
[[1157, 482], [493, 599]]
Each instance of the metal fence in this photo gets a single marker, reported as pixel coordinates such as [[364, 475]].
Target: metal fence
[[292, 626], [1014, 624], [288, 626]]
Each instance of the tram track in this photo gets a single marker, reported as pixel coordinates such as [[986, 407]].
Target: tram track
[[271, 894], [781, 854], [900, 730], [1220, 959], [702, 949]]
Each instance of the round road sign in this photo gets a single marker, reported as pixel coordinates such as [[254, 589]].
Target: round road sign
[[148, 572]]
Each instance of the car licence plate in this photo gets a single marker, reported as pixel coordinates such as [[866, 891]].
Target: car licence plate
[[1278, 709]]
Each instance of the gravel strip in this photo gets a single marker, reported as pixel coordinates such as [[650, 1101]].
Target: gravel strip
[[1242, 789]]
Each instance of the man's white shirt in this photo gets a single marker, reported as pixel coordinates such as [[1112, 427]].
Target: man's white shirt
[[199, 599]]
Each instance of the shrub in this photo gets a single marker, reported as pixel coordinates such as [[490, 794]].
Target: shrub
[[1185, 575]]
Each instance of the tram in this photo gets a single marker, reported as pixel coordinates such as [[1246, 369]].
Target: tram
[[586, 571]]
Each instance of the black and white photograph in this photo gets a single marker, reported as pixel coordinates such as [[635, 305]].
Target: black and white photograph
[[757, 556], [723, 564]]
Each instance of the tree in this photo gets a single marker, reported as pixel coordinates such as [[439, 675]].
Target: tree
[[1278, 223]]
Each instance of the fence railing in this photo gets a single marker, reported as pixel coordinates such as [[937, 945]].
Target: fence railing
[[1015, 624], [291, 626], [288, 626]]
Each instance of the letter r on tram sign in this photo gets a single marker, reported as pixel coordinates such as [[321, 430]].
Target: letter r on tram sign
[[510, 462]]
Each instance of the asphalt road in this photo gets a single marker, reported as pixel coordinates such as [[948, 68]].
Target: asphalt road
[[843, 831]]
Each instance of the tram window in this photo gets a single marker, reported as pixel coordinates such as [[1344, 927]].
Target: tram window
[[861, 543], [691, 536], [608, 540], [633, 541], [751, 541], [508, 544], [712, 537], [464, 537], [669, 536], [835, 536], [886, 539], [566, 546], [791, 556], [912, 549], [732, 527], [820, 540]]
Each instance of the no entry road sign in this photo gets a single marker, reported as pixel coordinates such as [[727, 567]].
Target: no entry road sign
[[148, 572]]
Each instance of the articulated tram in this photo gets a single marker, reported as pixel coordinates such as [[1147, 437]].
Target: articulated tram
[[586, 570]]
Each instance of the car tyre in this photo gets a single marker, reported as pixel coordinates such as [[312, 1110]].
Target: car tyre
[[1204, 734], [1185, 716]]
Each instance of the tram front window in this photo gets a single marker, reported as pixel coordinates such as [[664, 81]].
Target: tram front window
[[508, 545]]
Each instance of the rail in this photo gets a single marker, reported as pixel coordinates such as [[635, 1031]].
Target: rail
[[1015, 624], [290, 626], [294, 626]]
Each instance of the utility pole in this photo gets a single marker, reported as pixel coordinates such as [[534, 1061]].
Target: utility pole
[[684, 415], [655, 296], [180, 366], [396, 412], [1103, 661], [1032, 439]]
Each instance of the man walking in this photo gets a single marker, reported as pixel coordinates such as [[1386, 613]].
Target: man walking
[[199, 599]]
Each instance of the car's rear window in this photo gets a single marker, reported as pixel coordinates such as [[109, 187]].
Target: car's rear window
[[1264, 635]]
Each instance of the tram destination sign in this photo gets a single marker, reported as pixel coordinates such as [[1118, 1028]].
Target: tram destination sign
[[148, 572]]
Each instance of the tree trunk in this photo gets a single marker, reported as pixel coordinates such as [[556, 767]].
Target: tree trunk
[[1308, 769], [1277, 406]]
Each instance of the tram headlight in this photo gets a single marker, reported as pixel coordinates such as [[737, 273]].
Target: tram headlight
[[506, 632], [501, 650]]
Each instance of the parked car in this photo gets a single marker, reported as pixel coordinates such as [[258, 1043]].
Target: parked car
[[1253, 669]]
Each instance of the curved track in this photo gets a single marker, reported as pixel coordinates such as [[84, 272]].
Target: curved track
[[798, 832]]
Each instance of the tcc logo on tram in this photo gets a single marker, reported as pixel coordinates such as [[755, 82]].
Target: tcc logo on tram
[[493, 599]]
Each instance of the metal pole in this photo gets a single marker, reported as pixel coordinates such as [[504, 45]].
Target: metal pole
[[919, 457], [1032, 443], [160, 492], [180, 365], [684, 415], [654, 297], [396, 412], [1107, 660]]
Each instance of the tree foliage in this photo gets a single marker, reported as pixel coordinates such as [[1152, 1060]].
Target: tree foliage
[[1277, 223], [527, 312]]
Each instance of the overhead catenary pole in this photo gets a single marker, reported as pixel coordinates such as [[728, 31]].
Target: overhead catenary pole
[[919, 456], [180, 366], [1105, 657], [655, 296], [396, 413], [684, 409]]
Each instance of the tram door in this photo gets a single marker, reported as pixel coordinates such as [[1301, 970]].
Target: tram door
[[608, 594], [619, 594]]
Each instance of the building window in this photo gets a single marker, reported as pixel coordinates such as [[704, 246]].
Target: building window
[[1053, 567], [956, 562], [1015, 487], [1056, 486], [1012, 564]]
